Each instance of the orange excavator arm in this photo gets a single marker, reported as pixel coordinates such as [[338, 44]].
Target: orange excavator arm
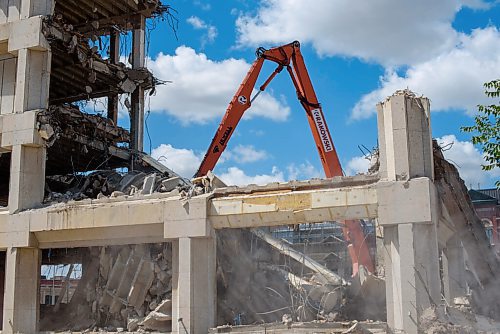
[[290, 58]]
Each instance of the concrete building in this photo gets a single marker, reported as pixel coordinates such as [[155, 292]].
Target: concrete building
[[487, 205], [51, 290], [47, 62]]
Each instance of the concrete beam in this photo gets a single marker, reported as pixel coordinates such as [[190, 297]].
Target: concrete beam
[[94, 221], [19, 129], [14, 231], [109, 236], [187, 218], [293, 207], [96, 215], [402, 202], [27, 34]]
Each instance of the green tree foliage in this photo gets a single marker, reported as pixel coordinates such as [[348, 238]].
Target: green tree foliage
[[486, 130]]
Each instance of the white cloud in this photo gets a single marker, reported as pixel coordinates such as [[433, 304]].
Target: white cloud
[[247, 153], [454, 80], [468, 160], [203, 5], [444, 64], [357, 165], [236, 176], [257, 132], [184, 162], [196, 22], [202, 88], [210, 30], [304, 171], [390, 32]]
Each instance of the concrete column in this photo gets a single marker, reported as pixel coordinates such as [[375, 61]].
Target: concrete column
[[21, 299], [31, 8], [32, 80], [412, 273], [27, 177], [114, 56], [138, 59], [408, 209], [194, 285], [2, 285], [405, 141], [453, 262]]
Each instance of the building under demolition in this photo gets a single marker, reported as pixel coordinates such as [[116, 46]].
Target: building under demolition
[[160, 253]]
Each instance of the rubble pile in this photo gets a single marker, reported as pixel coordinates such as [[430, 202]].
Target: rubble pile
[[122, 287], [456, 319], [261, 280], [130, 288], [100, 76], [318, 327], [67, 121], [482, 264], [110, 183]]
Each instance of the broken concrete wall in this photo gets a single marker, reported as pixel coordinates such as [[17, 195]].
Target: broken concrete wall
[[483, 265]]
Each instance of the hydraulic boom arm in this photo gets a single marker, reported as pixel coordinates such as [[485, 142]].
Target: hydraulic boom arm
[[290, 58]]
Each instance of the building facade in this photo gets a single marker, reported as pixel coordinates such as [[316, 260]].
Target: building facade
[[487, 205]]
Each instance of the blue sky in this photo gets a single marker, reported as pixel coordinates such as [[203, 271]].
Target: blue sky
[[356, 54]]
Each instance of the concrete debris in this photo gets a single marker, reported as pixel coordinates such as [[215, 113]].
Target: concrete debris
[[483, 265], [331, 277], [321, 298], [46, 131], [133, 324], [160, 319], [67, 121], [287, 319], [461, 301], [100, 74], [444, 320], [131, 287], [307, 327], [209, 182], [366, 296], [357, 328], [253, 288], [149, 184], [124, 291], [109, 183], [170, 184]]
